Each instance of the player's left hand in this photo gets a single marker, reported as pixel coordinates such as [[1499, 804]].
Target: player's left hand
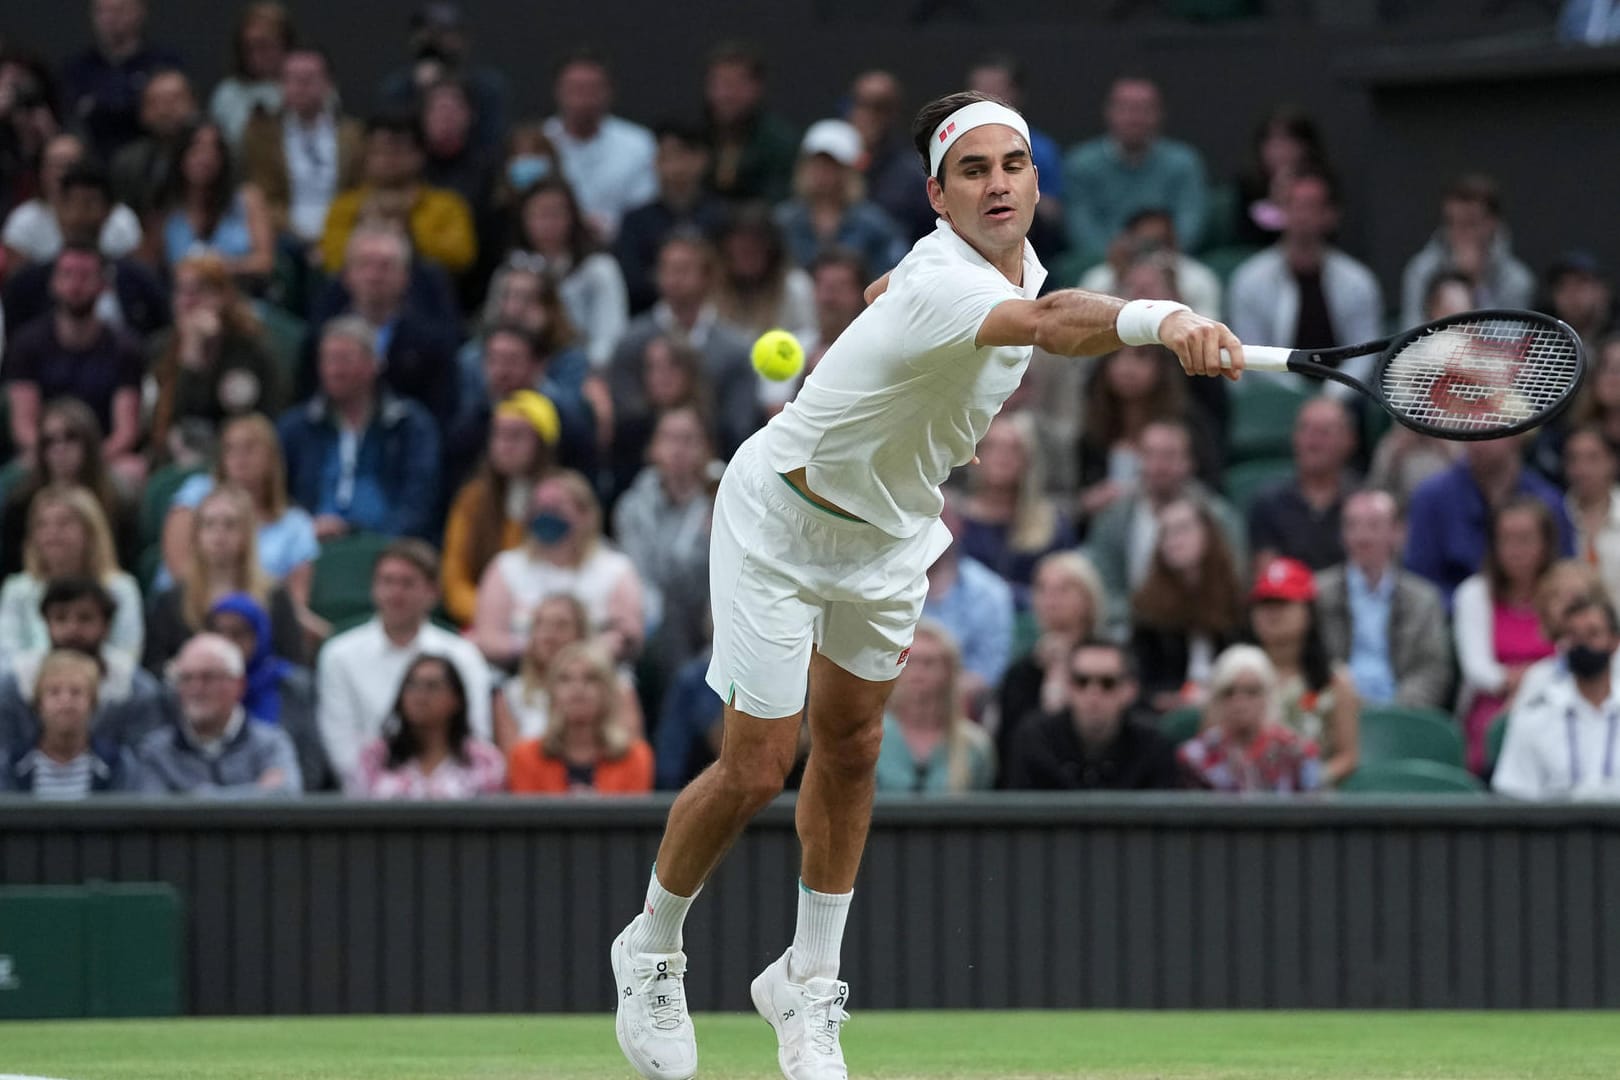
[[1197, 343]]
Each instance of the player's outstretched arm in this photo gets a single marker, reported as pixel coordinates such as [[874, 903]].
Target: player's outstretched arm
[[1074, 322]]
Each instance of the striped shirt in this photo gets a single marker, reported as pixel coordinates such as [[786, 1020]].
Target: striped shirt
[[59, 782]]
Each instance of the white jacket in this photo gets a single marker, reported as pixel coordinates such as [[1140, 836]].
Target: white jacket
[[1559, 746], [1262, 304]]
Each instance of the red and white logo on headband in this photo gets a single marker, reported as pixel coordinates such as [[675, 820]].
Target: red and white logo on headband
[[943, 135], [964, 120]]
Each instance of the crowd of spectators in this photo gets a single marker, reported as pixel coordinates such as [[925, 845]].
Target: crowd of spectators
[[248, 327]]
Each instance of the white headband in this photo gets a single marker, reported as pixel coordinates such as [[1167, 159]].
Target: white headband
[[964, 120]]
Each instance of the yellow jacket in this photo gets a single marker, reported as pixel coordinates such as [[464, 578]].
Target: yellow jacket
[[440, 222], [458, 576]]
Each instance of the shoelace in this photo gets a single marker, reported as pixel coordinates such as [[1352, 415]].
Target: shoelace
[[822, 1017], [665, 1002]]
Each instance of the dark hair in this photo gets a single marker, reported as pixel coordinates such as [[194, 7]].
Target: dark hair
[[1104, 412], [273, 13], [1441, 279], [1127, 659], [685, 132], [1001, 61], [316, 50], [689, 236], [1491, 567], [743, 53], [1475, 188], [846, 257], [1298, 125], [38, 87], [513, 330], [583, 54], [81, 247], [1148, 213], [221, 189], [404, 124], [401, 737], [581, 240], [1589, 601], [1324, 177], [93, 476], [1315, 665], [88, 173], [62, 591], [416, 553], [929, 117], [1213, 606]]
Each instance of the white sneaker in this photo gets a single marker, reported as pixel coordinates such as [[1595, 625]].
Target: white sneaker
[[655, 1030], [806, 1017]]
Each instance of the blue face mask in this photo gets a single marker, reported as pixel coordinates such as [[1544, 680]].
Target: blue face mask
[[527, 169], [549, 528]]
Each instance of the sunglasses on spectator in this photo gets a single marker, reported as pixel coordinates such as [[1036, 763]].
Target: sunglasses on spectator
[[1083, 679]]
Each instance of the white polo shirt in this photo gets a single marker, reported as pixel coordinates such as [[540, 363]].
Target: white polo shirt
[[904, 396], [1561, 746]]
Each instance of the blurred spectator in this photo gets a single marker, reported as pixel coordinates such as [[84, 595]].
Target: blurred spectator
[[929, 744], [1386, 624], [73, 352], [69, 454], [145, 167], [33, 230], [527, 158], [1188, 608], [1473, 240], [587, 747], [1068, 604], [751, 149], [1404, 459], [1121, 539], [1593, 501], [359, 671], [760, 288], [133, 298], [29, 119], [280, 693], [427, 749], [895, 181], [212, 365], [1286, 144], [264, 37], [453, 160], [975, 607], [681, 161], [671, 378], [564, 552], [1094, 740], [1560, 743], [1565, 582], [1001, 75], [416, 349], [302, 153], [588, 280], [686, 314], [1597, 405], [224, 560], [1152, 232], [67, 537], [662, 523], [1299, 518], [1449, 516], [829, 205], [1317, 696], [1152, 277], [359, 458], [203, 207], [1009, 523], [1129, 390], [1243, 746], [607, 160], [101, 87], [78, 614], [439, 44], [1131, 168], [521, 708], [1588, 22], [216, 751], [64, 763], [491, 512], [839, 277], [691, 724], [439, 222], [1578, 291], [1304, 292], [1497, 629]]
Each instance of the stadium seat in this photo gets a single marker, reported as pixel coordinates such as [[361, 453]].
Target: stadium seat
[[1394, 733], [155, 500], [284, 334], [1181, 724], [341, 589], [1495, 735], [1245, 481], [1411, 777], [1262, 418]]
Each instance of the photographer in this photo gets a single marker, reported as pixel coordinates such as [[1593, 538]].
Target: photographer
[[439, 45]]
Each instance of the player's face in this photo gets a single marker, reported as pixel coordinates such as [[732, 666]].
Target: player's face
[[989, 193]]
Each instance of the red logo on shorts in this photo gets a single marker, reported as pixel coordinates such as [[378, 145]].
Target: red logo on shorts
[[905, 653]]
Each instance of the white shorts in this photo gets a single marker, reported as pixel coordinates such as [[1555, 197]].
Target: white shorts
[[786, 575]]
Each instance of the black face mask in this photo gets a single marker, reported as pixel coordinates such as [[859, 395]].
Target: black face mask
[[1586, 662]]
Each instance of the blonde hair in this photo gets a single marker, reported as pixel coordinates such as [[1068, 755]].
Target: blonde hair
[[247, 575], [100, 562], [69, 662], [1078, 568], [961, 734], [272, 499], [583, 496], [612, 736], [530, 677], [1571, 575], [1238, 660], [1035, 519]]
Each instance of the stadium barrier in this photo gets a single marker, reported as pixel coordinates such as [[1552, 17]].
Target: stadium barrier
[[1011, 901]]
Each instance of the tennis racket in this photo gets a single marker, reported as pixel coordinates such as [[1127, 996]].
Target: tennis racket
[[1475, 375]]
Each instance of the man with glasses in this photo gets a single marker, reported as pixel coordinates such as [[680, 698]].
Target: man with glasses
[[214, 751], [1095, 743]]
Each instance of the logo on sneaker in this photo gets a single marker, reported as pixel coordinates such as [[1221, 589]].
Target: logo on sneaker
[[905, 654]]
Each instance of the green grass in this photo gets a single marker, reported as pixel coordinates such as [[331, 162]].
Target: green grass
[[895, 1046]]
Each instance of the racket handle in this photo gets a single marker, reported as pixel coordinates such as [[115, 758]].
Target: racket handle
[[1261, 358]]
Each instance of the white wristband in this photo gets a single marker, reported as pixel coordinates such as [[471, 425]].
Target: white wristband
[[1139, 320]]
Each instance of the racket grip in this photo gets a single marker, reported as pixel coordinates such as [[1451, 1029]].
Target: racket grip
[[1261, 358]]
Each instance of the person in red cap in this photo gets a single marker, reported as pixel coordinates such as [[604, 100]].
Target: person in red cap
[[1317, 698]]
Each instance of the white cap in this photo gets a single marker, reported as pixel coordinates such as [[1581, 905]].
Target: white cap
[[838, 139]]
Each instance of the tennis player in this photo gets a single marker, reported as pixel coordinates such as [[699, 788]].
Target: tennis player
[[824, 527]]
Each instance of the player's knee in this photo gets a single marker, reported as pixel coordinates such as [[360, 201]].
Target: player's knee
[[853, 753], [757, 773]]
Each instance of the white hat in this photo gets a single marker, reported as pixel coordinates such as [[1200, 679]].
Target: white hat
[[837, 139]]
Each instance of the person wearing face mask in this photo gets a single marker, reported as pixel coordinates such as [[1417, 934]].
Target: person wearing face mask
[[1562, 742]]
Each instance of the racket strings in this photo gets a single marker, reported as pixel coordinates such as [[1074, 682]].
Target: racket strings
[[1475, 377]]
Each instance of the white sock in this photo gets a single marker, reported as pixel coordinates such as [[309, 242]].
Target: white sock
[[658, 928], [819, 935]]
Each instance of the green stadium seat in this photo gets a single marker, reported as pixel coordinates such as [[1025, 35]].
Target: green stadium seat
[[1394, 733], [1181, 724], [1495, 735], [1246, 480], [160, 489], [284, 334], [1220, 217], [1414, 777], [341, 589], [1262, 418]]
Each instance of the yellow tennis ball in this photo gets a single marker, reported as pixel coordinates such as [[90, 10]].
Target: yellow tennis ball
[[778, 355]]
